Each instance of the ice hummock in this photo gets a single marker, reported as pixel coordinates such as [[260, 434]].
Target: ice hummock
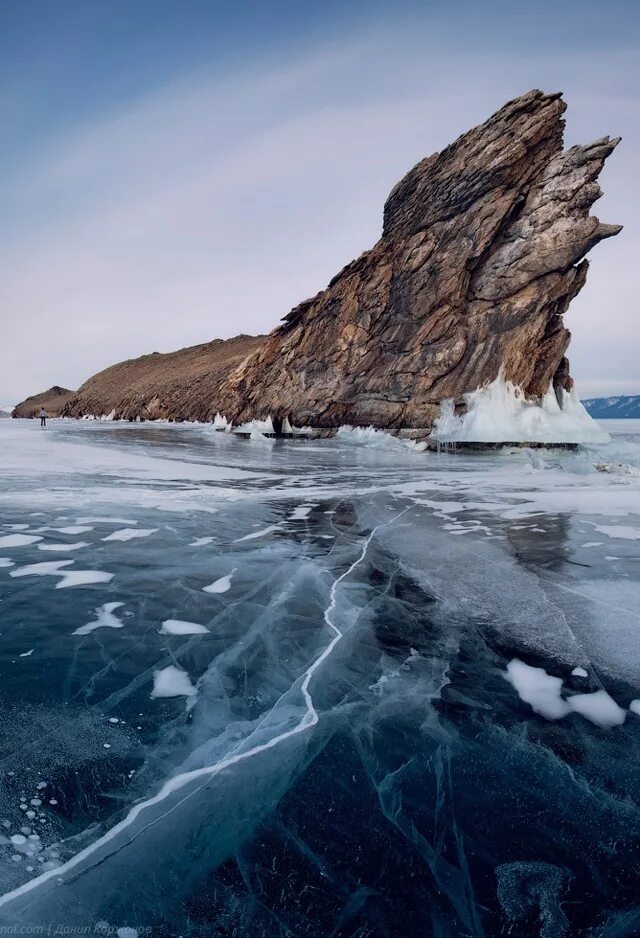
[[500, 413]]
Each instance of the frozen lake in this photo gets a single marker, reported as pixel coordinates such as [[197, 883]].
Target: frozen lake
[[324, 688]]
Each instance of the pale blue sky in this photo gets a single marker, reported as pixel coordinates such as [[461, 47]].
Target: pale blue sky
[[178, 170]]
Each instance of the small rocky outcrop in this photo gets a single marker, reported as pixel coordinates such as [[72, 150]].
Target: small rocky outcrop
[[183, 385], [52, 400], [481, 253]]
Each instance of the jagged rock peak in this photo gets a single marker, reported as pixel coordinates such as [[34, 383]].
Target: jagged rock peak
[[481, 254]]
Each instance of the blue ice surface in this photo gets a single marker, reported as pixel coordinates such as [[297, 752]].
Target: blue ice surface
[[355, 760]]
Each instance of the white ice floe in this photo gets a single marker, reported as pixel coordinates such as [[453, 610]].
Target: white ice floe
[[634, 706], [64, 547], [6, 562], [180, 627], [105, 619], [172, 682], [18, 540], [221, 585], [500, 413], [27, 654], [128, 534], [74, 529], [579, 672], [201, 541]]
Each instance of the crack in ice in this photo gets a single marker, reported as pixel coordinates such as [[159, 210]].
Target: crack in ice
[[310, 719]]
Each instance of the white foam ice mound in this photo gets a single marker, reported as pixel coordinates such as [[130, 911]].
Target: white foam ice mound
[[256, 428], [220, 422], [500, 413], [377, 439]]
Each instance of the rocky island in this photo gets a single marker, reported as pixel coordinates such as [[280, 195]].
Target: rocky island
[[482, 250]]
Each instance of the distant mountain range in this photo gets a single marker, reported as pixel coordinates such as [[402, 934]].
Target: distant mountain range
[[609, 408]]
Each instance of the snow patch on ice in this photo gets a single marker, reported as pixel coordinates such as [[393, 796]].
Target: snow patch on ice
[[83, 578], [598, 707], [128, 534], [542, 692], [634, 706], [180, 627], [255, 534], [500, 413], [172, 682], [301, 512], [221, 585], [105, 620], [64, 547], [18, 540], [619, 530], [579, 672], [106, 521], [46, 568], [537, 688]]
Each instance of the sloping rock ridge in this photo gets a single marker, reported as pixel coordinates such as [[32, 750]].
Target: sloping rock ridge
[[482, 250], [481, 253], [52, 400], [182, 385]]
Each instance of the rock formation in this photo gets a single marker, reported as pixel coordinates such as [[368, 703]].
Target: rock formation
[[183, 385], [480, 255], [52, 400]]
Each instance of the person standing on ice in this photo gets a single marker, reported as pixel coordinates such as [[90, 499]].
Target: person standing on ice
[[43, 417]]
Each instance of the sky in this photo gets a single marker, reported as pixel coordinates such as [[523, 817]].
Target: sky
[[173, 171]]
